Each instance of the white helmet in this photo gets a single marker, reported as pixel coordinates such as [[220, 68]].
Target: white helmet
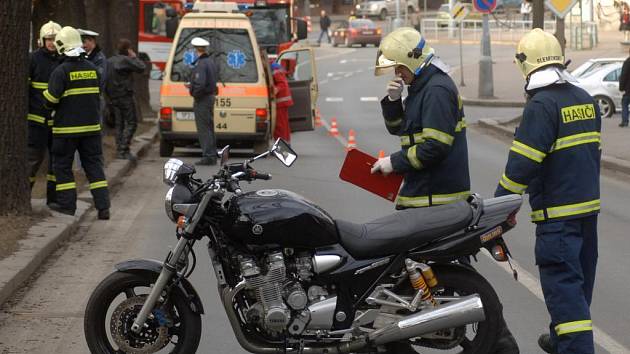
[[48, 30], [68, 42], [199, 42]]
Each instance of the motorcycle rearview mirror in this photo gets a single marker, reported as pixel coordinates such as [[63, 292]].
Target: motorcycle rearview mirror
[[170, 171], [283, 152], [225, 155]]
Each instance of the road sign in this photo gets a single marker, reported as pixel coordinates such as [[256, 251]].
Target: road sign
[[560, 7], [485, 6], [459, 12]]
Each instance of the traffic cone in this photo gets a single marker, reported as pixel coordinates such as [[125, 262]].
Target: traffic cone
[[318, 119], [381, 154], [333, 128], [352, 140]]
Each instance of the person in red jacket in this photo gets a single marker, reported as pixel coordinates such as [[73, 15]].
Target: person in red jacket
[[283, 102]]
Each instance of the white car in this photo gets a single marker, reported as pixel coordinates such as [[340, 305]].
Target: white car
[[384, 8], [593, 65], [603, 84]]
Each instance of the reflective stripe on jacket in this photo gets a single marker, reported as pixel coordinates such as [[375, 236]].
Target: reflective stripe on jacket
[[42, 64], [555, 156], [434, 152], [74, 91]]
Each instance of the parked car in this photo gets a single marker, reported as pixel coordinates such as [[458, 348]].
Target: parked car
[[603, 85], [359, 31], [593, 65], [383, 8]]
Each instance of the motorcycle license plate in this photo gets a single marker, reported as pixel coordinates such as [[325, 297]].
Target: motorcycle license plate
[[367, 32], [185, 115]]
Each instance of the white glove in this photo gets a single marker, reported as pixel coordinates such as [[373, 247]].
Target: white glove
[[383, 165], [394, 89]]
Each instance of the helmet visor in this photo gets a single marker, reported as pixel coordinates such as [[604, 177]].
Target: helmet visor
[[383, 65]]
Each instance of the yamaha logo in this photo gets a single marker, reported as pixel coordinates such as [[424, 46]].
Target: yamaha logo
[[257, 230]]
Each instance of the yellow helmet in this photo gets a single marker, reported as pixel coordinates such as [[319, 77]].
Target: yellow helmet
[[68, 42], [48, 30], [537, 49], [404, 46]]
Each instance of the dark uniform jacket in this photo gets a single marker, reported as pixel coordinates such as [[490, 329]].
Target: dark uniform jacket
[[624, 78], [98, 58], [120, 79], [73, 91], [204, 78], [42, 64], [555, 155], [434, 152]]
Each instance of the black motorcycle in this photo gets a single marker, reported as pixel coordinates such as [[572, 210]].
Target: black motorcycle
[[292, 279]]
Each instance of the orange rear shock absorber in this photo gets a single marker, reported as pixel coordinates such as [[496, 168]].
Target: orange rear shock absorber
[[418, 282]]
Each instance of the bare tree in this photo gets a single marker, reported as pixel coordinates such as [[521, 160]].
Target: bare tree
[[15, 193]]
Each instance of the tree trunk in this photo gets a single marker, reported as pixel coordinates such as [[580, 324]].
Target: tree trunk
[[15, 193], [64, 12]]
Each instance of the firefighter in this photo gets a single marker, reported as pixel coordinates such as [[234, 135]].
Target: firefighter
[[73, 91], [434, 155], [283, 102], [42, 63], [555, 157]]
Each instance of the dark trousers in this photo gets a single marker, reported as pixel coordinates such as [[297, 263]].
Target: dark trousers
[[91, 154], [40, 143], [625, 102], [321, 34], [566, 255], [204, 118], [124, 110]]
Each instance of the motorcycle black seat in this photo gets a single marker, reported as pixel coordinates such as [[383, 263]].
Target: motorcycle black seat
[[404, 230]]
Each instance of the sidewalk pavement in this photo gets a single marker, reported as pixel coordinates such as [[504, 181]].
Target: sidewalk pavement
[[47, 235]]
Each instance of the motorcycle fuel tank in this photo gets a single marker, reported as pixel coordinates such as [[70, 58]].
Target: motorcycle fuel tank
[[276, 216]]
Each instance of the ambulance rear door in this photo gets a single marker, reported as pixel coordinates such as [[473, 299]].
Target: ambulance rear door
[[302, 76]]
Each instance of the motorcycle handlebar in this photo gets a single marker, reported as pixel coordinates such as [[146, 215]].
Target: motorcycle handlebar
[[257, 175]]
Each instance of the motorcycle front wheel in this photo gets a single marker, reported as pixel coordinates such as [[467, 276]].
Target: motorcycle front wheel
[[114, 304], [476, 338]]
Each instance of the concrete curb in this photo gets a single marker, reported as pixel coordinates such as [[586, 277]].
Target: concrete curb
[[608, 162], [492, 103], [45, 237]]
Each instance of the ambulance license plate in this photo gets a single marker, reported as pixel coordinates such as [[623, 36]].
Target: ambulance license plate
[[185, 115]]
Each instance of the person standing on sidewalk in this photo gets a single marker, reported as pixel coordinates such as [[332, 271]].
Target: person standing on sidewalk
[[555, 158], [434, 152], [624, 86], [324, 24], [73, 91], [98, 58], [43, 62], [203, 88], [120, 93]]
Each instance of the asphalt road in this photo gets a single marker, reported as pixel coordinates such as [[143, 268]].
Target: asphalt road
[[47, 316]]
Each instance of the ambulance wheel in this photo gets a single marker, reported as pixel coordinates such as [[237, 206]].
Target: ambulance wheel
[[166, 148]]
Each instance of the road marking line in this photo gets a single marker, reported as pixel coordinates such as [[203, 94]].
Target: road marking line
[[343, 61], [369, 99], [336, 78], [532, 284], [334, 99], [325, 81], [347, 75], [329, 74]]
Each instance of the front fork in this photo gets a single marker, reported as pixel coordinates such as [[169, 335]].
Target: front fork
[[169, 269]]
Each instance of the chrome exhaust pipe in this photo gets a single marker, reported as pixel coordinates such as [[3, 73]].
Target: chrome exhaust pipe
[[458, 313]]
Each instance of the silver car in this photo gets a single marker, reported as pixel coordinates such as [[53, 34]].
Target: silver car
[[603, 85], [383, 8], [593, 65]]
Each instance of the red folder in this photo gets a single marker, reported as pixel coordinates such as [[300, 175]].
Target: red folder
[[356, 170]]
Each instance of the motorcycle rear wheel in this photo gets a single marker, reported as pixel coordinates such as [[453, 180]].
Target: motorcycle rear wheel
[[186, 327], [460, 281]]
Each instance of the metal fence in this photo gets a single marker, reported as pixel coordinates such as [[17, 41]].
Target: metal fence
[[508, 30]]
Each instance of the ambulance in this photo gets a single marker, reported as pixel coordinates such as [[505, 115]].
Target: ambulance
[[244, 111]]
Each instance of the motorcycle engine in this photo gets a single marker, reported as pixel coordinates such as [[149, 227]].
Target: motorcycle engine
[[279, 293]]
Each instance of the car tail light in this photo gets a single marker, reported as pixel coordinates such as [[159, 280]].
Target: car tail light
[[353, 32], [261, 119], [378, 31], [166, 118]]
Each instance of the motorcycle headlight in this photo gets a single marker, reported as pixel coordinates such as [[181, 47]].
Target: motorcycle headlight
[[170, 171], [178, 194]]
